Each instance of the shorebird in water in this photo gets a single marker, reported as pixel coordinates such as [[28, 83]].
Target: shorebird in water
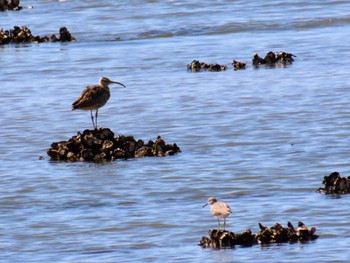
[[94, 97], [218, 209]]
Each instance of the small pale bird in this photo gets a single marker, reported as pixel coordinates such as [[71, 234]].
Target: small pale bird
[[218, 209], [94, 97]]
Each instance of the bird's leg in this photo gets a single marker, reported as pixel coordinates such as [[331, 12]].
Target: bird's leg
[[218, 222], [224, 223], [92, 118], [96, 117]]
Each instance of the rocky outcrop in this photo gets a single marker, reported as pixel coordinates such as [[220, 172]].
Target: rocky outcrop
[[100, 144], [220, 238], [335, 184], [24, 35]]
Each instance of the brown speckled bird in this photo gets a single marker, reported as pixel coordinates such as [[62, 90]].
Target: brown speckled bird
[[94, 97]]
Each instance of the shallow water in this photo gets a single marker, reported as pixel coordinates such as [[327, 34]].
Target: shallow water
[[259, 139]]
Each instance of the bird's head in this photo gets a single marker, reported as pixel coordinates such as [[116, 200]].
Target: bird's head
[[211, 200], [106, 81]]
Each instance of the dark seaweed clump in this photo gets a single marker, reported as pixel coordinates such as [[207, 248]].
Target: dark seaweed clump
[[219, 238], [273, 58], [24, 35], [101, 145], [196, 66], [335, 184]]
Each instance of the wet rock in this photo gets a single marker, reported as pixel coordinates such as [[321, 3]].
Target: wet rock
[[257, 60], [2, 5], [53, 38], [65, 36], [24, 35], [238, 65], [273, 58], [303, 232], [143, 152], [100, 145], [10, 5], [217, 67], [246, 238], [196, 66], [265, 235], [280, 233], [219, 238], [335, 184], [270, 58], [284, 57]]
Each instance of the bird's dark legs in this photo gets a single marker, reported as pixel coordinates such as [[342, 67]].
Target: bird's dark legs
[[218, 222], [92, 118], [96, 117], [224, 223]]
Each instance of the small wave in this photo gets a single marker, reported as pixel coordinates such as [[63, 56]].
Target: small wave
[[324, 22], [155, 34], [233, 27]]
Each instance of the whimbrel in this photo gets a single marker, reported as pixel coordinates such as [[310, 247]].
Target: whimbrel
[[94, 97], [218, 209]]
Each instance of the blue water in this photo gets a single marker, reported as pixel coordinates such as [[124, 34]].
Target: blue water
[[259, 139]]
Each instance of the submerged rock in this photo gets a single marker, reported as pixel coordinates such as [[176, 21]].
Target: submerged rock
[[24, 35], [238, 65], [273, 58], [219, 238], [10, 5], [196, 66], [65, 35], [101, 145], [335, 184]]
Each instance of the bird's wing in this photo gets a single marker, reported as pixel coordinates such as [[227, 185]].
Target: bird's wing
[[87, 97]]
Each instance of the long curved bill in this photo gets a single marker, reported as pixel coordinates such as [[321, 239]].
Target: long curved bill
[[121, 84]]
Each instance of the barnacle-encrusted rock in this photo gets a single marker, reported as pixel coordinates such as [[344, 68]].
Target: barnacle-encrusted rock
[[238, 64], [335, 184], [65, 36], [10, 5], [196, 65], [24, 35], [219, 238], [273, 58], [101, 145]]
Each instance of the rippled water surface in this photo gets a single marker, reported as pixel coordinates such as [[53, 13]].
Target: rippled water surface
[[259, 139]]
